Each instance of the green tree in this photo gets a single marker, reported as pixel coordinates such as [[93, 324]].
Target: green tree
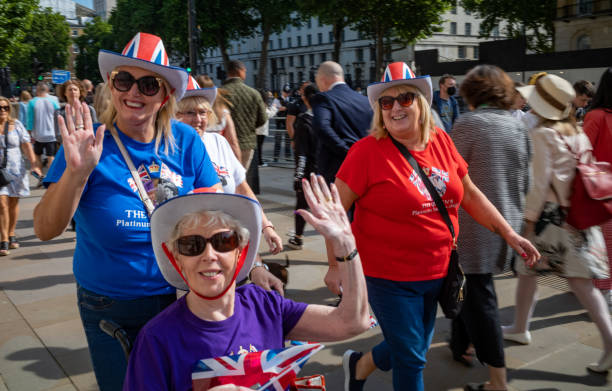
[[47, 40], [132, 16], [532, 20], [271, 16], [330, 12], [405, 21], [15, 20], [97, 35]]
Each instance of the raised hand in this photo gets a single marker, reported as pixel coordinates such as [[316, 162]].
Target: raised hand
[[82, 149], [327, 215]]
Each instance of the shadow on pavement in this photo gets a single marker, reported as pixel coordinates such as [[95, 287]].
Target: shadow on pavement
[[588, 379], [39, 361], [46, 255], [37, 282], [33, 241]]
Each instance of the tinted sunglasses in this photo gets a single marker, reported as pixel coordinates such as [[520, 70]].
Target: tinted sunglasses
[[193, 245], [147, 85], [5, 108], [405, 100]]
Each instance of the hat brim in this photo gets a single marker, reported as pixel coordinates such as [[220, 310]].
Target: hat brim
[[175, 76], [165, 217], [210, 94], [540, 106], [422, 83]]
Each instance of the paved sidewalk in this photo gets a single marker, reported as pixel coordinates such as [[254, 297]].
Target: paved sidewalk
[[42, 344]]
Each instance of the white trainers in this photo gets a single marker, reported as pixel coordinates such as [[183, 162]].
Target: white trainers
[[521, 338]]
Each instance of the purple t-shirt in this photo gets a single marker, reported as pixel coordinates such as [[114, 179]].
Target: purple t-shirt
[[170, 345]]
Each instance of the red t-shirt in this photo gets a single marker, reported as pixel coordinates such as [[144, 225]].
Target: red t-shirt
[[400, 234]]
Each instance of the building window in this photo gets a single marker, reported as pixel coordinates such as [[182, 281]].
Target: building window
[[281, 62], [461, 52], [476, 52], [288, 42], [359, 35], [300, 76], [454, 10], [468, 12], [290, 61], [75, 48], [301, 60], [495, 31], [359, 54], [585, 7], [309, 40], [291, 81], [468, 29], [342, 37], [323, 57], [320, 38], [372, 53], [453, 28], [309, 23], [75, 33], [583, 42], [299, 41], [311, 58], [280, 43], [254, 64], [331, 36], [271, 45], [299, 27]]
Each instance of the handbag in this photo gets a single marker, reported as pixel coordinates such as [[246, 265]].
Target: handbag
[[452, 293], [5, 177], [591, 196]]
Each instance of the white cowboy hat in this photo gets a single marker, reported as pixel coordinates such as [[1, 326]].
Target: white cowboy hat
[[551, 97], [145, 51], [165, 217], [194, 89], [399, 73]]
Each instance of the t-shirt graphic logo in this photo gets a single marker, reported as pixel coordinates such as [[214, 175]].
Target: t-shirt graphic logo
[[222, 172], [159, 182], [439, 178], [416, 180]]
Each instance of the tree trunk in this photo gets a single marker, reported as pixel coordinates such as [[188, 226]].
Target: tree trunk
[[337, 32], [380, 50], [263, 58], [223, 47]]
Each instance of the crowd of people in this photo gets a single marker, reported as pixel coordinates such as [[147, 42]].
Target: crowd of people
[[152, 167]]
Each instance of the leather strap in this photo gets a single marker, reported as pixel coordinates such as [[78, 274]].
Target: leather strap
[[126, 156], [430, 187], [6, 126]]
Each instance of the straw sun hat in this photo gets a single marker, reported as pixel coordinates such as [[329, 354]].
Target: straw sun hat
[[551, 97]]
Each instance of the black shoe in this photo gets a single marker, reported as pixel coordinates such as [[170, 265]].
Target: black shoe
[[4, 248], [13, 242], [349, 364], [295, 243]]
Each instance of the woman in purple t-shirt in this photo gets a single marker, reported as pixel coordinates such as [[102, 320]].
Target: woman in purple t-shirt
[[215, 318]]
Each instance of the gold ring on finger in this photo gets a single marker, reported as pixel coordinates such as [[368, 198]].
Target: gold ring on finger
[[328, 199], [80, 127]]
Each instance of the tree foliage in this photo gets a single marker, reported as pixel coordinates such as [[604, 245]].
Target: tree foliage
[[15, 20], [405, 21], [530, 19], [97, 35], [331, 12], [47, 40], [133, 16]]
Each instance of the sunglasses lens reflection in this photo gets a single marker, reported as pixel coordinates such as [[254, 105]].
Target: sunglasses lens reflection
[[4, 108]]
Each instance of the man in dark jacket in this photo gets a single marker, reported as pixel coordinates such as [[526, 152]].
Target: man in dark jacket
[[444, 103], [341, 117]]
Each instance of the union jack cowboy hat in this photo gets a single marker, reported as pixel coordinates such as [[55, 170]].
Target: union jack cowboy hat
[[399, 73], [145, 51], [194, 89]]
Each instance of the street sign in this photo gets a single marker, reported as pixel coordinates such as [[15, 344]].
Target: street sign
[[59, 76]]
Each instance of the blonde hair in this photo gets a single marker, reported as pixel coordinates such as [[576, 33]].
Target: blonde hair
[[25, 96], [426, 122], [566, 127], [101, 98], [163, 125], [196, 102], [208, 219]]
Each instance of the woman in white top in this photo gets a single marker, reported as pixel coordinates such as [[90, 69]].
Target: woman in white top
[[195, 109], [577, 255]]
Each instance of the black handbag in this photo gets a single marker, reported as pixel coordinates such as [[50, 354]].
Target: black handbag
[[452, 293], [5, 178]]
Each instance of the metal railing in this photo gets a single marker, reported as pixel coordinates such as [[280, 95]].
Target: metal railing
[[277, 150], [586, 8]]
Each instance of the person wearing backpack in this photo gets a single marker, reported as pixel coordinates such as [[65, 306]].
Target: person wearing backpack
[[577, 255]]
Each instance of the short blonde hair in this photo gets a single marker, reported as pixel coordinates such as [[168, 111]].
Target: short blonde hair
[[196, 102], [426, 121], [208, 219], [163, 125]]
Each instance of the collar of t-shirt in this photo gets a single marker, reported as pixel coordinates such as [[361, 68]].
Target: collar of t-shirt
[[336, 83]]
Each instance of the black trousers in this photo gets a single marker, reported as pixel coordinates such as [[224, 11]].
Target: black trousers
[[300, 203], [478, 322]]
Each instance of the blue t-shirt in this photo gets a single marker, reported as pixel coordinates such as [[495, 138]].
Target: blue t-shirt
[[168, 347], [113, 255]]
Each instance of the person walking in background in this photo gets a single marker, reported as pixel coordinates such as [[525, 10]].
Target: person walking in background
[[598, 128], [14, 144], [404, 243], [281, 123], [584, 93], [248, 110], [295, 107], [263, 131], [24, 99], [341, 117], [41, 124], [89, 91], [224, 124], [445, 103], [518, 102], [577, 255], [305, 141], [73, 93], [497, 149]]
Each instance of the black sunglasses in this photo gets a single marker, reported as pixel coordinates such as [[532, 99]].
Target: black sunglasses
[[5, 108], [147, 85], [405, 100], [193, 245]]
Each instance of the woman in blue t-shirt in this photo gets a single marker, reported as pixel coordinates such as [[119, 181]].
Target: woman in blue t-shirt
[[204, 243], [114, 265]]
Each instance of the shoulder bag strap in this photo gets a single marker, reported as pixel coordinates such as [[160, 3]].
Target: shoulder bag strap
[[141, 190], [430, 187], [6, 126]]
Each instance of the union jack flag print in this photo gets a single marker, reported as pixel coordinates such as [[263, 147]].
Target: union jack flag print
[[147, 47], [269, 370], [397, 71]]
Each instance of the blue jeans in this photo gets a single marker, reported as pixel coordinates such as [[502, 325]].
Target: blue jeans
[[109, 361], [406, 312]]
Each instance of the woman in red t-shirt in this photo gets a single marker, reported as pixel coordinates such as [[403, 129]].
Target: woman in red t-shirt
[[403, 242]]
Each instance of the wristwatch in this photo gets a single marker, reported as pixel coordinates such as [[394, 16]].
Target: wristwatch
[[349, 257], [260, 264]]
